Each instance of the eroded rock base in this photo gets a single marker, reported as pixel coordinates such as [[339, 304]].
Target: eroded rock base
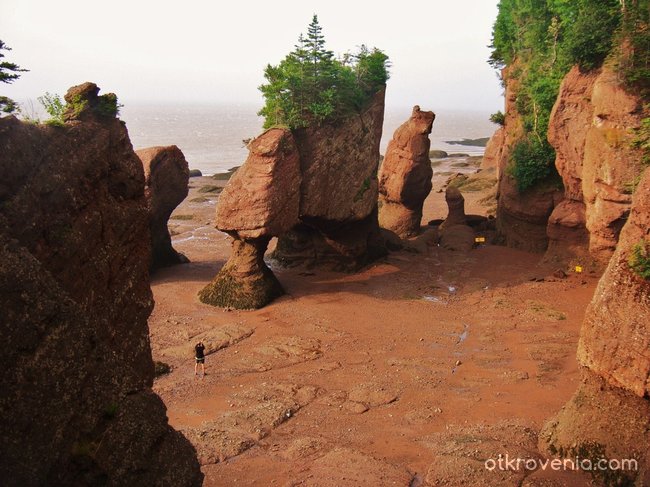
[[244, 282], [341, 248]]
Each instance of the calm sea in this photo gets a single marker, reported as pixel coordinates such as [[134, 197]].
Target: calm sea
[[211, 136]]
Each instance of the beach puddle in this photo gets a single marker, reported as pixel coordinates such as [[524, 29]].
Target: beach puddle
[[187, 239]]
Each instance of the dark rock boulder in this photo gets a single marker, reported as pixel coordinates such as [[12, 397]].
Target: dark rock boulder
[[166, 178], [76, 405]]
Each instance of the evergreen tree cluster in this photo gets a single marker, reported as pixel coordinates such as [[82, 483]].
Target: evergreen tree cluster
[[9, 72], [310, 85], [541, 39]]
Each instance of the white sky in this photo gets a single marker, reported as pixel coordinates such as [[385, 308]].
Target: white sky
[[215, 52]]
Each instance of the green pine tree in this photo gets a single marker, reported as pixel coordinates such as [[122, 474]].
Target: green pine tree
[[9, 72], [311, 86]]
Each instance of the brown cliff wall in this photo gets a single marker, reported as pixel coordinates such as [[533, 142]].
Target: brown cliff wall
[[590, 131], [609, 415], [76, 405], [521, 218]]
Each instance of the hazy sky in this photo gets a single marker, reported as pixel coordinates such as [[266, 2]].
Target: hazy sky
[[209, 51]]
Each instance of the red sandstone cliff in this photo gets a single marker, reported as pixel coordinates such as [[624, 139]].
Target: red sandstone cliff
[[609, 416], [77, 406], [590, 130], [521, 217]]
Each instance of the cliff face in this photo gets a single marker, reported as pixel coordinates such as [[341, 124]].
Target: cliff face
[[615, 336], [338, 195], [610, 413], [589, 130], [521, 217], [76, 404]]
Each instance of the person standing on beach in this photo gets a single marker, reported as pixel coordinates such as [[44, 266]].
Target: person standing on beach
[[199, 356]]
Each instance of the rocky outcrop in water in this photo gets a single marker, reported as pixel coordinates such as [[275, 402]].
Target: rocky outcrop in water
[[260, 201], [609, 416], [166, 176], [405, 175], [338, 226], [77, 406]]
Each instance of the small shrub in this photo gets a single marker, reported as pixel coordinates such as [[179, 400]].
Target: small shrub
[[110, 411], [532, 162], [499, 118], [639, 260], [641, 138], [54, 106], [108, 105]]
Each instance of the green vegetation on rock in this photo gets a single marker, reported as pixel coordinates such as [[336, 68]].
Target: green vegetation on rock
[[311, 86], [499, 118], [54, 106], [639, 260], [540, 40]]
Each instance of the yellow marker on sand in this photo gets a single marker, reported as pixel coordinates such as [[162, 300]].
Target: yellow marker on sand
[[578, 269]]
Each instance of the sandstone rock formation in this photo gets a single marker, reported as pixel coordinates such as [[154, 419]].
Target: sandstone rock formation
[[521, 218], [609, 415], [455, 233], [405, 175], [76, 405], [338, 226], [589, 130], [494, 150], [166, 176], [260, 201], [455, 208]]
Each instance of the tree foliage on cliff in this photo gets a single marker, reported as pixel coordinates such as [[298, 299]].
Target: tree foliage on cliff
[[541, 39], [9, 72], [310, 85]]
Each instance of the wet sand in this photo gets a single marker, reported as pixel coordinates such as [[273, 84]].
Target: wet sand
[[414, 371]]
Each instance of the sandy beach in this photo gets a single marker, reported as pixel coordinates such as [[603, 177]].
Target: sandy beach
[[418, 368]]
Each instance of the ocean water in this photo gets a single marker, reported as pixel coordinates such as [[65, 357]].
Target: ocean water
[[211, 136]]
